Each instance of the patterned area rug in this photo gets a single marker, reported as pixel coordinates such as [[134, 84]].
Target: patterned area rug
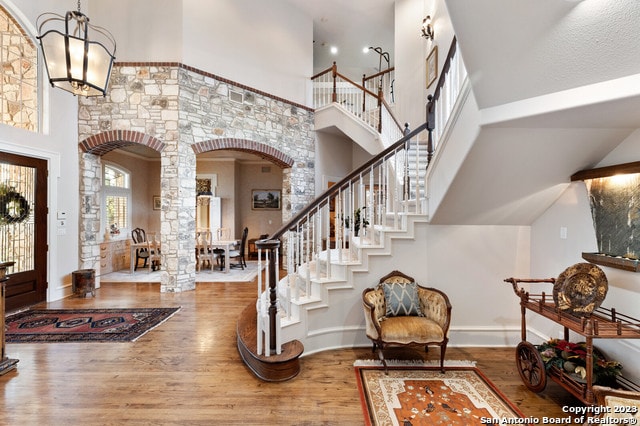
[[422, 395], [83, 325]]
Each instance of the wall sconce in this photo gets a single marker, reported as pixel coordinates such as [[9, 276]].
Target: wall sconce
[[74, 63], [427, 29]]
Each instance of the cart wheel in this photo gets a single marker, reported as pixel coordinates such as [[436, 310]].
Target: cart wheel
[[531, 367]]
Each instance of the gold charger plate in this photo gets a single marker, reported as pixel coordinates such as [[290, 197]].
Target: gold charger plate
[[580, 289]]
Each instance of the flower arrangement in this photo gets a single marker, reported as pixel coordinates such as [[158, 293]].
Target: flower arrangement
[[572, 358]]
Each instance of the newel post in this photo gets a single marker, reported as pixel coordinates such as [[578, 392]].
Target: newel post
[[334, 74], [431, 124], [271, 247]]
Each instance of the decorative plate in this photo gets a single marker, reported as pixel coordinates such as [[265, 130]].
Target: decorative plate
[[580, 289]]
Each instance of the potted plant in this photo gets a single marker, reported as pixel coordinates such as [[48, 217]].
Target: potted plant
[[571, 358], [358, 220]]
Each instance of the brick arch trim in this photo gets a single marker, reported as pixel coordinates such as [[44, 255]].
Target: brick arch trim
[[265, 151], [104, 142]]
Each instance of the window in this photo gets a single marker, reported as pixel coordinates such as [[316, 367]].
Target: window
[[116, 196], [18, 76]]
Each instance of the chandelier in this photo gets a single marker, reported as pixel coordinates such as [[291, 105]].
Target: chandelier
[[74, 62]]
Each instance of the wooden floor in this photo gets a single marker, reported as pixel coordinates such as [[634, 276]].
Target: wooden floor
[[188, 371]]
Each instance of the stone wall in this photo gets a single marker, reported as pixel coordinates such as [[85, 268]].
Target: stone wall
[[182, 106]]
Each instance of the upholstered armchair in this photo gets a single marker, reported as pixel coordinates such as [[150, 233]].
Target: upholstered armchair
[[398, 312], [619, 406]]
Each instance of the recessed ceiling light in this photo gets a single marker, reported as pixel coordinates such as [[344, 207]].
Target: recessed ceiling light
[[334, 50]]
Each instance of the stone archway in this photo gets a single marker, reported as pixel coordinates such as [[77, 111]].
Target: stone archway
[[261, 150], [91, 151], [104, 142]]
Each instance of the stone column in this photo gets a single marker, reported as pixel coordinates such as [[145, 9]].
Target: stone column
[[90, 181], [178, 222]]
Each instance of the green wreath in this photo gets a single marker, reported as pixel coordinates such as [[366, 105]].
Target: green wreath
[[14, 208]]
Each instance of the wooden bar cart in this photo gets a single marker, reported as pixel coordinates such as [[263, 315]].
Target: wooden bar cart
[[601, 324]]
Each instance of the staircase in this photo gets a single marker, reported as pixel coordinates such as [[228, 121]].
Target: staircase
[[323, 255], [317, 305], [316, 295]]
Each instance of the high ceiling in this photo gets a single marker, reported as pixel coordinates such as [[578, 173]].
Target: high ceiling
[[350, 26]]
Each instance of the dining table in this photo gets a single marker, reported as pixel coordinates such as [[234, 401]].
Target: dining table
[[226, 245]]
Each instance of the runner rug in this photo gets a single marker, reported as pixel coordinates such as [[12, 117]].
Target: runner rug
[[422, 395], [83, 325]]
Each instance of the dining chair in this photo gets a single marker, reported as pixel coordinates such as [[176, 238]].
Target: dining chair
[[222, 234], [139, 236], [153, 247], [204, 251], [239, 253]]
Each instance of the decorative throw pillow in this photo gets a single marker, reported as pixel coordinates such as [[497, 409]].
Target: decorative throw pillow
[[402, 299]]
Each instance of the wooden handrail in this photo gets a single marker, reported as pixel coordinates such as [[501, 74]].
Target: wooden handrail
[[395, 120], [447, 64], [321, 73], [323, 198], [364, 89], [431, 99], [378, 74]]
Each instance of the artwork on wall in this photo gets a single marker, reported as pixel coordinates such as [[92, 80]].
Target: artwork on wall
[[614, 207], [157, 202], [432, 66], [266, 199], [614, 197]]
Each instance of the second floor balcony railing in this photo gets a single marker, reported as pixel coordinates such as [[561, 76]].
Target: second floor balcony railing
[[367, 101]]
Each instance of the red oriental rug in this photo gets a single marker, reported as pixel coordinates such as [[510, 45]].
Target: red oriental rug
[[83, 325], [422, 395]]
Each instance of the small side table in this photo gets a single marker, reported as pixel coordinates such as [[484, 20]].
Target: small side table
[[6, 364], [83, 281]]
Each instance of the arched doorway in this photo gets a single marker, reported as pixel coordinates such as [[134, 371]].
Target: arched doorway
[[137, 155]]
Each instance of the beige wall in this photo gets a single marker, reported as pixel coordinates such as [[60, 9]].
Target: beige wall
[[236, 179], [258, 176], [145, 183]]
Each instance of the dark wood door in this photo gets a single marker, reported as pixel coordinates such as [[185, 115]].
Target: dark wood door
[[23, 228]]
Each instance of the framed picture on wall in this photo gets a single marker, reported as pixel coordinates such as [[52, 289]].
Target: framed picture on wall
[[432, 66], [266, 199], [157, 202]]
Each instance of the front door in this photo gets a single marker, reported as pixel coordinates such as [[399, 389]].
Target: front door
[[23, 228]]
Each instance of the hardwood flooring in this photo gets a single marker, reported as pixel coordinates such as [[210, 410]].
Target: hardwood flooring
[[188, 372]]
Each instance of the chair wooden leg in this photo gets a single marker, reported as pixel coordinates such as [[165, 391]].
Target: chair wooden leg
[[443, 350], [384, 361]]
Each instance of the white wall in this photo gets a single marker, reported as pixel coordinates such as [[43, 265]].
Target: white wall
[[58, 144], [228, 38], [333, 159], [411, 51], [550, 255], [145, 183], [225, 38], [470, 264], [145, 30]]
